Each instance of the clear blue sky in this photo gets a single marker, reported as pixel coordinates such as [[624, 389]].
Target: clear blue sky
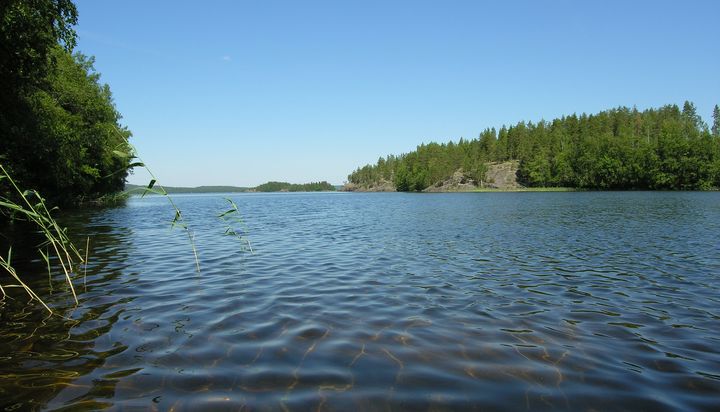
[[242, 92]]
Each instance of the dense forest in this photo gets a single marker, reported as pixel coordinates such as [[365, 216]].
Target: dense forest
[[622, 148], [61, 132], [293, 187]]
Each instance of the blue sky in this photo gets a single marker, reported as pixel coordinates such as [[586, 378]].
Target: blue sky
[[243, 92]]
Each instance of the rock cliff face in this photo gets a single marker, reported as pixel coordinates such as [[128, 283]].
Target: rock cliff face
[[458, 182], [381, 186], [501, 175]]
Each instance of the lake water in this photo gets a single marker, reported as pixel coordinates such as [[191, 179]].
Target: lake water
[[477, 301]]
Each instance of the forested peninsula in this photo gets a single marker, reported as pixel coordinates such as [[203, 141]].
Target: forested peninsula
[[667, 148]]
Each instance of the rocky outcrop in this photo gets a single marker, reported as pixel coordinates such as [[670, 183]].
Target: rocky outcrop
[[458, 182], [501, 175], [381, 186]]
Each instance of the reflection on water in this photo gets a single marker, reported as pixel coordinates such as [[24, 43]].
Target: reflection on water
[[374, 301], [42, 355]]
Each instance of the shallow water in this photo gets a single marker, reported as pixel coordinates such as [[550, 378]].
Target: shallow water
[[512, 301]]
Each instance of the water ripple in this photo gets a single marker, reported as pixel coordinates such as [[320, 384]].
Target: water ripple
[[384, 301]]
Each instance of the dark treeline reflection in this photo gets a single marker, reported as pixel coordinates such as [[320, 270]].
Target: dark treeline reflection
[[43, 355]]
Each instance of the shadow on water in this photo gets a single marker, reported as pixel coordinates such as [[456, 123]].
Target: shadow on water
[[43, 356]]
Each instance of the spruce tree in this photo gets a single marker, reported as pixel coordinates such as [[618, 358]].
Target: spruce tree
[[690, 113]]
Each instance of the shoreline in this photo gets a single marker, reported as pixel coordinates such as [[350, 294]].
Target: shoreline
[[535, 189]]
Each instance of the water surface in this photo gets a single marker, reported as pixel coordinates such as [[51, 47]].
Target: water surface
[[492, 301]]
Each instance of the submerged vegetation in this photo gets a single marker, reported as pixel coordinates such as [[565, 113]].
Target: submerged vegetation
[[623, 148]]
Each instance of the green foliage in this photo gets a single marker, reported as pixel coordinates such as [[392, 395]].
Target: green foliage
[[58, 124], [623, 148], [429, 163], [290, 187], [29, 31], [59, 130], [68, 144]]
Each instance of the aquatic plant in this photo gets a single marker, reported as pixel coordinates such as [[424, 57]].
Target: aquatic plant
[[232, 218], [31, 207], [155, 188]]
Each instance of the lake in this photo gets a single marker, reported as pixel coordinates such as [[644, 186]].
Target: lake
[[381, 301]]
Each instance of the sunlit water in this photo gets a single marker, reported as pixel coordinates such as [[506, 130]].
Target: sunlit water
[[504, 301]]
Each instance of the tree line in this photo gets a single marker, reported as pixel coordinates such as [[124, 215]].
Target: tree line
[[265, 187], [622, 148], [294, 187], [61, 132]]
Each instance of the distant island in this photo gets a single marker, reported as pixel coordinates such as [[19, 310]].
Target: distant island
[[656, 149], [265, 187], [291, 187]]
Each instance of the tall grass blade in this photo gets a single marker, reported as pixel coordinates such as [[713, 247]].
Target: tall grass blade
[[85, 265], [32, 208], [230, 217], [178, 219]]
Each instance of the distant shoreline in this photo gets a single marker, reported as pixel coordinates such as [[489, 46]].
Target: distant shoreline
[[485, 190], [138, 190], [277, 187], [536, 189]]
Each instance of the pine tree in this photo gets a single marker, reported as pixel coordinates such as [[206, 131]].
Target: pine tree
[[716, 121]]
